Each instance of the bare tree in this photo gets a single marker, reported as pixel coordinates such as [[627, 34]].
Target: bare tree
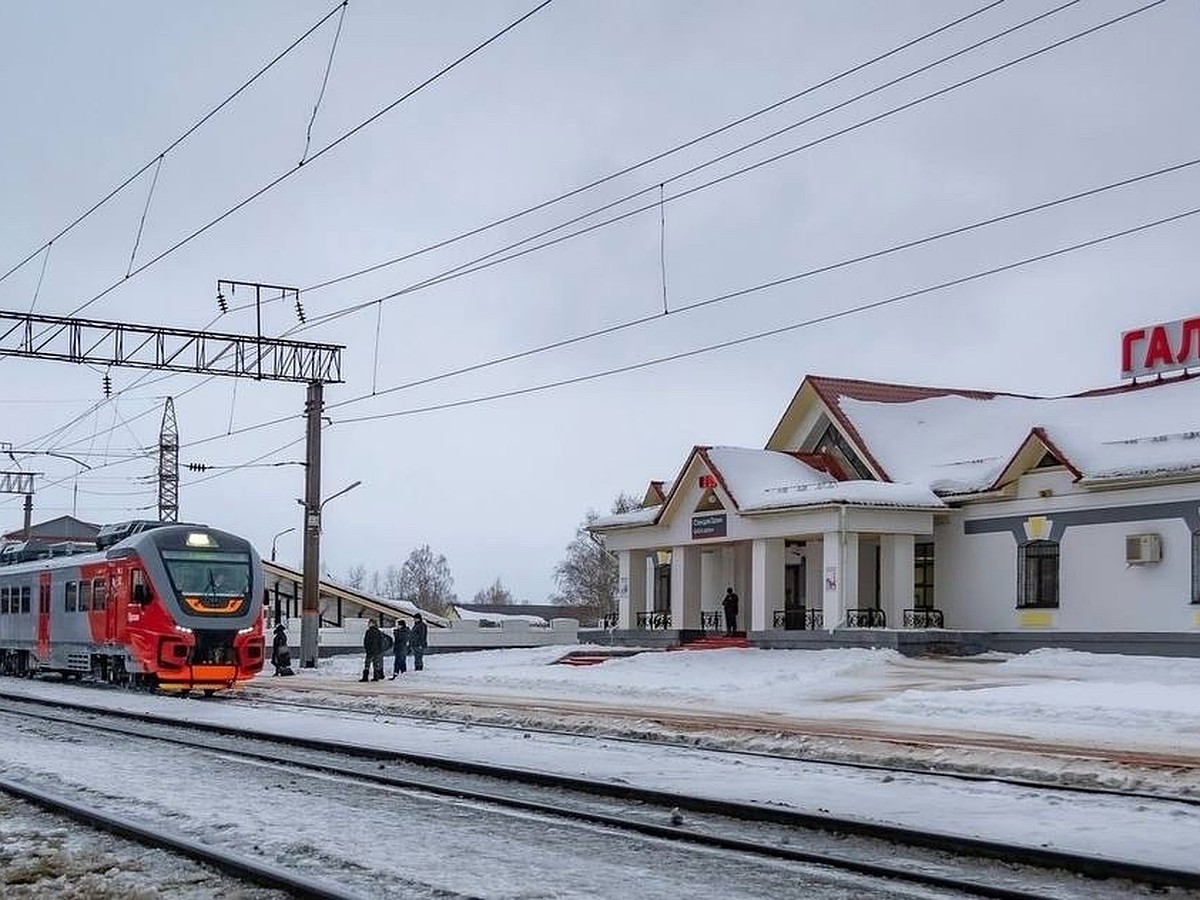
[[587, 575], [425, 580], [495, 593], [356, 576]]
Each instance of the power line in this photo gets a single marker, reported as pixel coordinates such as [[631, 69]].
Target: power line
[[633, 167], [326, 149], [175, 143], [876, 304], [496, 258]]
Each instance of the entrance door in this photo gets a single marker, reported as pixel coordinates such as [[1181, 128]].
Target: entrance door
[[794, 588], [43, 615]]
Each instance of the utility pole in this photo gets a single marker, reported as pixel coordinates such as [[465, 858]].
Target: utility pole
[[310, 622], [168, 466], [20, 483]]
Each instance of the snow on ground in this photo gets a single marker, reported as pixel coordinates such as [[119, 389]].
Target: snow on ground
[[1055, 698]]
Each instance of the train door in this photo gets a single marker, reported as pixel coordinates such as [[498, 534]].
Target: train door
[[112, 601], [43, 615]]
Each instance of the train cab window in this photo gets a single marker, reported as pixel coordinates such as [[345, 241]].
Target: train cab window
[[70, 602], [25, 595], [138, 592], [99, 594], [85, 596]]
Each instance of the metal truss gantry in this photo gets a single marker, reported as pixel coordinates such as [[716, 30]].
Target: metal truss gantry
[[168, 349]]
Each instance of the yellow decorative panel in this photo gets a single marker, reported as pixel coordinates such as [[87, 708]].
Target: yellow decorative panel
[[1196, 618], [1036, 618]]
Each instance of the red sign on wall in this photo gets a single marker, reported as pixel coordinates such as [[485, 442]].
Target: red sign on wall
[[1165, 347], [707, 482]]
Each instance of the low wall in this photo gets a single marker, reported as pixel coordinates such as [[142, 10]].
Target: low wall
[[461, 635]]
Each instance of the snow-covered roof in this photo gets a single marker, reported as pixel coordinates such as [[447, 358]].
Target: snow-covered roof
[[644, 516], [960, 444], [767, 479], [470, 615]]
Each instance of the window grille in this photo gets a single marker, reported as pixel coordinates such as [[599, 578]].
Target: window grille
[[1037, 574]]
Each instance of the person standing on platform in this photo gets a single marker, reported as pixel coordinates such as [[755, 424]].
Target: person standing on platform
[[281, 656], [730, 604], [418, 638], [373, 647], [399, 648]]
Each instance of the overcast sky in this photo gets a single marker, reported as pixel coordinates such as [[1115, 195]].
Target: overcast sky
[[91, 92]]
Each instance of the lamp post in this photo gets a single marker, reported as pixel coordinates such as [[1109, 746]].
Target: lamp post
[[277, 537], [310, 621]]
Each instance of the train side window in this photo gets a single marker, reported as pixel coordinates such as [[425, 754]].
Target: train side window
[[99, 594], [25, 594], [85, 596], [3, 601], [69, 596], [138, 590]]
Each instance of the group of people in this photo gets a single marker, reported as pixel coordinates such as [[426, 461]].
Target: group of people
[[405, 640]]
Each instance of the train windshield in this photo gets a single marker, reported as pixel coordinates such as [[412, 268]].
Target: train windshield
[[209, 573]]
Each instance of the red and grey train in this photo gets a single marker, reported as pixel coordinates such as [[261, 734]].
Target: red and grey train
[[177, 607]]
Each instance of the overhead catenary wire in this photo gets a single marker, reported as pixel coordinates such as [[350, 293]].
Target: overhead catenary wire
[[773, 332], [336, 142], [142, 222], [516, 250], [324, 82], [173, 144], [663, 154], [856, 259]]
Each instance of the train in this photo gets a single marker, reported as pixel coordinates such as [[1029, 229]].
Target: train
[[162, 606]]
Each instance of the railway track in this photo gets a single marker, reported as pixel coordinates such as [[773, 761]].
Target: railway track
[[933, 860], [943, 768], [243, 868]]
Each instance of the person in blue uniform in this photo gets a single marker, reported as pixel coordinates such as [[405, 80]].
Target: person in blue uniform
[[399, 648]]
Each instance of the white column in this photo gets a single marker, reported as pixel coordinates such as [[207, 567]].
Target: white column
[[766, 582], [631, 586], [896, 559], [839, 577], [685, 588]]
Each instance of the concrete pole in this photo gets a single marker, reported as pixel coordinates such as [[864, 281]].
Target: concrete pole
[[310, 622], [28, 516]]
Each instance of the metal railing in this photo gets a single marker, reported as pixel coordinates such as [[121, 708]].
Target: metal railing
[[659, 620], [799, 618], [866, 618], [710, 620], [924, 617]]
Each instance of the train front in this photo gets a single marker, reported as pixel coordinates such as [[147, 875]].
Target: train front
[[200, 616]]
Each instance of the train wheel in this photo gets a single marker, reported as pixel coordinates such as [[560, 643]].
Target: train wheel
[[208, 692]]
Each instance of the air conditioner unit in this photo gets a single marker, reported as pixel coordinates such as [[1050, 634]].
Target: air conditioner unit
[[1143, 548]]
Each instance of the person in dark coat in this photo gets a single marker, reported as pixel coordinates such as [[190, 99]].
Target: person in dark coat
[[373, 646], [730, 604], [281, 656], [418, 638], [399, 648]]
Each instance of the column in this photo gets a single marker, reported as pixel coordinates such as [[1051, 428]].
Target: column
[[631, 587], [685, 588], [839, 576], [897, 565], [766, 582]]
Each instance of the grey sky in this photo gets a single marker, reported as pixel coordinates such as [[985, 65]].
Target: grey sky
[[91, 92]]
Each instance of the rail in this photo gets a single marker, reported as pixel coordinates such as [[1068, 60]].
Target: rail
[[659, 620], [924, 617]]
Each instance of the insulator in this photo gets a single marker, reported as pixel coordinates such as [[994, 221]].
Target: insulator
[[106, 384], [300, 311], [222, 303]]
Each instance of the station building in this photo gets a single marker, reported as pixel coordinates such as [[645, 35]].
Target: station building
[[927, 518]]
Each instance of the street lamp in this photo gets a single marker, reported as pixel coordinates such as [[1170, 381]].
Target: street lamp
[[347, 489], [277, 537]]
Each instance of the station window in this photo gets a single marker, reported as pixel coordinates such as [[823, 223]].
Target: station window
[[923, 575], [85, 596], [1196, 567], [70, 602], [99, 594], [25, 595], [1037, 574]]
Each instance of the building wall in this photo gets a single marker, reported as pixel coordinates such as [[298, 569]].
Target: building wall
[[976, 574]]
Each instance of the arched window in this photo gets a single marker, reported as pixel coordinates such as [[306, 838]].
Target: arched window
[[1037, 574]]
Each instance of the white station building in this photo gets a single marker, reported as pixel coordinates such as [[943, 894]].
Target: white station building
[[934, 518]]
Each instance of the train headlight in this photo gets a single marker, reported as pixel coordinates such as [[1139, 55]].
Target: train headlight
[[183, 630], [246, 630]]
